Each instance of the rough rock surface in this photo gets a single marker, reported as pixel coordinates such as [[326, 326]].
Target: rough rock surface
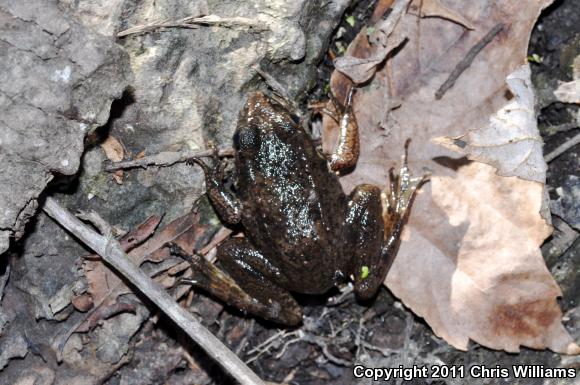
[[57, 81]]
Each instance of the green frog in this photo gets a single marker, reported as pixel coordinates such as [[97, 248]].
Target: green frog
[[303, 234]]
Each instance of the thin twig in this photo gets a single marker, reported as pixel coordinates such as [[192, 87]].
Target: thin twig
[[195, 22], [272, 82], [562, 148], [467, 60], [113, 255], [166, 158], [102, 225]]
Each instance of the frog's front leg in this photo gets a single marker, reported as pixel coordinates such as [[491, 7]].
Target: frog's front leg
[[227, 205], [375, 222], [250, 283]]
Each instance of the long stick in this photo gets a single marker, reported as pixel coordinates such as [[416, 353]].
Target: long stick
[[562, 148], [467, 60], [113, 255]]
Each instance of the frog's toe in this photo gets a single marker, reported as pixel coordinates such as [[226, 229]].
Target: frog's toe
[[284, 314], [402, 187]]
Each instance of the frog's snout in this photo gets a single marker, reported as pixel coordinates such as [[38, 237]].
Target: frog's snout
[[256, 103]]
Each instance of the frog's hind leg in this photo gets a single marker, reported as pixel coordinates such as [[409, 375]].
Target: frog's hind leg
[[365, 228], [378, 238], [248, 284]]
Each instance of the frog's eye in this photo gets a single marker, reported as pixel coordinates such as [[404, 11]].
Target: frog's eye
[[246, 138]]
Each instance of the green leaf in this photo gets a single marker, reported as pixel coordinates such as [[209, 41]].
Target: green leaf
[[351, 20], [535, 58]]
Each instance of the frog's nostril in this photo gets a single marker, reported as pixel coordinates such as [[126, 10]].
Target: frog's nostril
[[256, 101]]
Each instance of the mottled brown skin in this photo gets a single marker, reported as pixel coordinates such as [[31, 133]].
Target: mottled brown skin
[[303, 234]]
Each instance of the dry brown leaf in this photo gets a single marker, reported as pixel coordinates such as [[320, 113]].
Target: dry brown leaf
[[434, 8], [494, 288], [361, 68], [104, 283], [82, 302], [115, 152], [510, 142], [469, 262], [99, 277]]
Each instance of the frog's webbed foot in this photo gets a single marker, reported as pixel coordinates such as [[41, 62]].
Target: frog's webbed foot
[[225, 202], [397, 203], [247, 286]]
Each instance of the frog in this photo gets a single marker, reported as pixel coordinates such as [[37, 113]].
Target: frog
[[303, 233]]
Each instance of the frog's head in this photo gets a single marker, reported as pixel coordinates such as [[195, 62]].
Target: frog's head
[[261, 117]]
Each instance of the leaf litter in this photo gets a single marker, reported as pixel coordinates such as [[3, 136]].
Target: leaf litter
[[470, 262], [142, 245]]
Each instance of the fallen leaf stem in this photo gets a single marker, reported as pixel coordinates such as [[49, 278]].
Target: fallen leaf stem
[[562, 148], [166, 158], [272, 82], [111, 252], [467, 60], [195, 22]]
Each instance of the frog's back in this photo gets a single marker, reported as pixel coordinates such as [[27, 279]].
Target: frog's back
[[294, 208]]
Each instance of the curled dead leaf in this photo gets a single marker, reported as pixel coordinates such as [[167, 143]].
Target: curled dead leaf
[[115, 152], [434, 8], [359, 70], [83, 302], [493, 287], [510, 141]]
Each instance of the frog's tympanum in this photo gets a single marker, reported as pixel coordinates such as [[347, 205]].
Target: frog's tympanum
[[303, 233]]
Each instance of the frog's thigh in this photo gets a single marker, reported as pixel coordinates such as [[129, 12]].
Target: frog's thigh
[[257, 277], [365, 228]]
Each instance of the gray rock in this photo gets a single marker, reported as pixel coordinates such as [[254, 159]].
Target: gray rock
[[57, 81], [12, 346]]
